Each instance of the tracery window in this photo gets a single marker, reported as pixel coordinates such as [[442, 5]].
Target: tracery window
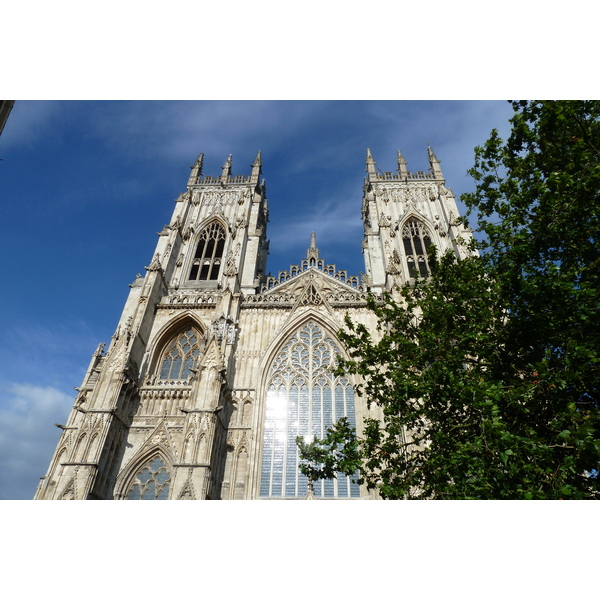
[[209, 253], [303, 398], [181, 355], [151, 482], [417, 240]]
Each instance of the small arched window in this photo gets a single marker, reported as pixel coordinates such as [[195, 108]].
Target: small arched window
[[417, 240], [181, 355], [209, 253], [151, 482]]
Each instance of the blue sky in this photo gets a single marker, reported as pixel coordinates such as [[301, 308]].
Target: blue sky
[[85, 186]]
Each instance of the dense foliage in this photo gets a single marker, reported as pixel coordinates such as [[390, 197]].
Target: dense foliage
[[486, 374]]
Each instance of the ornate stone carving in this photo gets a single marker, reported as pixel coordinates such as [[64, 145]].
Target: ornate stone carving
[[138, 282], [160, 438], [385, 221], [187, 492], [220, 198], [231, 262], [224, 327], [69, 491], [393, 260], [230, 442], [311, 297], [444, 191], [155, 264]]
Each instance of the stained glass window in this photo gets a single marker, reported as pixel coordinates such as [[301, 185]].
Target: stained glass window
[[209, 253], [151, 482], [303, 398], [181, 356], [417, 240]]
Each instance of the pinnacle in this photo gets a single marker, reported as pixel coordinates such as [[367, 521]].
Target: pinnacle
[[431, 153], [313, 251]]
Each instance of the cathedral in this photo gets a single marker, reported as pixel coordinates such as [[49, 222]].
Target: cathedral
[[216, 367]]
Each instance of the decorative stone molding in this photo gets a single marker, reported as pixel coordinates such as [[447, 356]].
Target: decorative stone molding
[[188, 300], [311, 297], [231, 262], [183, 197], [385, 221], [155, 264], [169, 391], [224, 327], [219, 198]]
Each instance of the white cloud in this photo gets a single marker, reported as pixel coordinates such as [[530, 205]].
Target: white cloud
[[48, 352], [179, 130], [27, 437]]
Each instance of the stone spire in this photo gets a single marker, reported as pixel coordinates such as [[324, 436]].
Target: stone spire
[[402, 165], [370, 163], [257, 166], [196, 170], [226, 169], [313, 251], [434, 163]]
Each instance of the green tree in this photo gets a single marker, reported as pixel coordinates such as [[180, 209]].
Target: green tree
[[486, 374]]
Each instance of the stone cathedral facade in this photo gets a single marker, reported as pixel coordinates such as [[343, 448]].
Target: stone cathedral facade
[[215, 367]]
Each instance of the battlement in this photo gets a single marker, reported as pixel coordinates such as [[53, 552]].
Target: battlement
[[220, 180], [409, 176]]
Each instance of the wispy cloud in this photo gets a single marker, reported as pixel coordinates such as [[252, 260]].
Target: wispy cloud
[[53, 352], [182, 129], [27, 437]]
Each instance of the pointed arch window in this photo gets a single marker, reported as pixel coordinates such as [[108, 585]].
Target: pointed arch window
[[181, 355], [151, 482], [303, 398], [416, 239], [209, 253]]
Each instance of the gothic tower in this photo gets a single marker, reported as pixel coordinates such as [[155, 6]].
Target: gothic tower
[[403, 214], [215, 367]]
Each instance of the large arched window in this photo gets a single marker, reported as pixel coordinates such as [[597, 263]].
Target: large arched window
[[417, 240], [151, 482], [181, 355], [303, 398], [209, 253]]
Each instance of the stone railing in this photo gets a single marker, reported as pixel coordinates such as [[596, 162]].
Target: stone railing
[[305, 265], [410, 176], [182, 300], [210, 180], [166, 397]]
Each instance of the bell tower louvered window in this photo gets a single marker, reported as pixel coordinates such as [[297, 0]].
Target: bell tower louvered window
[[303, 398], [181, 356], [416, 239], [209, 254]]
